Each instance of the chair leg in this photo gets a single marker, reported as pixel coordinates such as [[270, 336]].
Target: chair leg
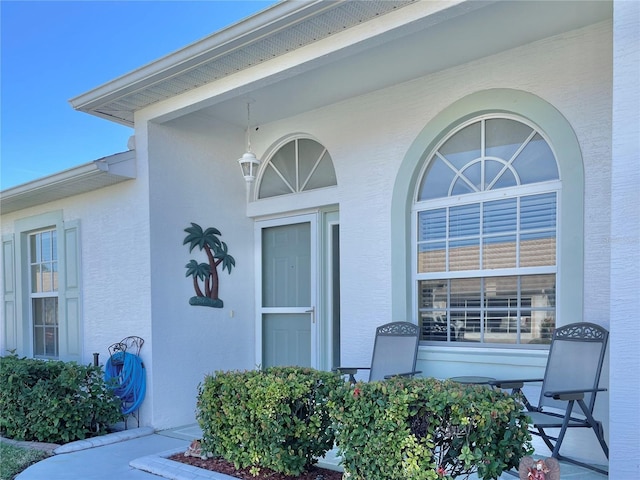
[[546, 438], [603, 444], [583, 465], [563, 429], [554, 443], [596, 426], [523, 398]]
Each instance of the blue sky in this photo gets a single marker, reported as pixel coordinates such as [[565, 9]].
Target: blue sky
[[52, 51]]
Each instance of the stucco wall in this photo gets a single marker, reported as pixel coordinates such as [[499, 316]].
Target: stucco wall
[[115, 277], [115, 266], [195, 177], [368, 137], [625, 241]]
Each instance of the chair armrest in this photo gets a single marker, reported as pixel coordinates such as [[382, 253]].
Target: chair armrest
[[407, 374], [572, 394], [513, 383]]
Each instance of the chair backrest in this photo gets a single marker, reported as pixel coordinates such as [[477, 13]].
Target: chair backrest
[[575, 361], [395, 350]]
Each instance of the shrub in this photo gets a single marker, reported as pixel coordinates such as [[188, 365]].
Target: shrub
[[276, 419], [427, 429], [53, 401]]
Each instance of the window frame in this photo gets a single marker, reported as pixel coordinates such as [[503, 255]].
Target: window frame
[[51, 293], [479, 198], [18, 322], [570, 237], [300, 185]]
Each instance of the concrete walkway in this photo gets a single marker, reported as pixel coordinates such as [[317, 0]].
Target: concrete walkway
[[141, 454], [113, 456]]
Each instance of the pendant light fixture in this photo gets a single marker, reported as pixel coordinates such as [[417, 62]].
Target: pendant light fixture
[[248, 162]]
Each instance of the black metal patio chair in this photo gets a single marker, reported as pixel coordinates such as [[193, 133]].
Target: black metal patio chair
[[395, 352], [569, 387]]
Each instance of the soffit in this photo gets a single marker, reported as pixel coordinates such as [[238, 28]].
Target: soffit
[[434, 35], [285, 27], [457, 35]]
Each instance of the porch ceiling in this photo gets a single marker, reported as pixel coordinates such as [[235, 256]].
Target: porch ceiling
[[430, 36]]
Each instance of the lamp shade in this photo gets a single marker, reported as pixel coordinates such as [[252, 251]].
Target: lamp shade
[[249, 165]]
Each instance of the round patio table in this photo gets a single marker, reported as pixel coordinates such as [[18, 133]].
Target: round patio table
[[473, 380]]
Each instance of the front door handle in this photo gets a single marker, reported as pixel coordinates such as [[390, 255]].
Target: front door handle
[[312, 311]]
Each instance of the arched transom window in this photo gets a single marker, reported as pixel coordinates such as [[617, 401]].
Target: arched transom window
[[485, 216], [298, 166]]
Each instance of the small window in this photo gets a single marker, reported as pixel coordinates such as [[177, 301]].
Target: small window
[[43, 279], [298, 166], [41, 263]]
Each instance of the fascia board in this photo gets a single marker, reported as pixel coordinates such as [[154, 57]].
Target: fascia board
[[299, 60], [249, 30], [280, 18], [74, 181]]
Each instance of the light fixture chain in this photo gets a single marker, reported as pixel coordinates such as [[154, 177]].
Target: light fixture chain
[[248, 127]]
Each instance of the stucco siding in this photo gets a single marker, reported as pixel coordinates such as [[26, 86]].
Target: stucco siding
[[625, 245], [367, 137], [134, 259], [114, 240], [195, 177]]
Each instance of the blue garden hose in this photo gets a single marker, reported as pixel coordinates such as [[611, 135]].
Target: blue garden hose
[[125, 374]]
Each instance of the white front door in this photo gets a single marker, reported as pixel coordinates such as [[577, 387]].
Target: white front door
[[287, 291]]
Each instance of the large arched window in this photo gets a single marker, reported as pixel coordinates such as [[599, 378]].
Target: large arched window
[[300, 165], [485, 218]]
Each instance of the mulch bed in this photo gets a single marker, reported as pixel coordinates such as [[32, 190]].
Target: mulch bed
[[222, 466]]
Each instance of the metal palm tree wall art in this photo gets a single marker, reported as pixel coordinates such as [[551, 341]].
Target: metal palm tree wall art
[[207, 273]]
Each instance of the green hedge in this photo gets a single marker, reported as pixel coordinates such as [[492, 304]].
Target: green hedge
[[427, 429], [53, 401], [276, 418]]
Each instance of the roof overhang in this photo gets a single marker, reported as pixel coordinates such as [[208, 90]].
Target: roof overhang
[[82, 179], [367, 45], [281, 28]]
